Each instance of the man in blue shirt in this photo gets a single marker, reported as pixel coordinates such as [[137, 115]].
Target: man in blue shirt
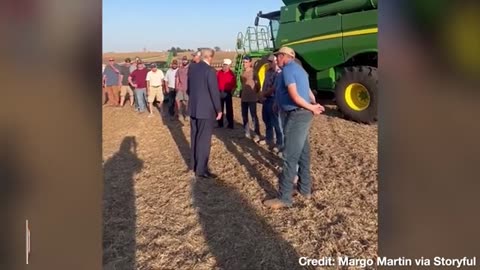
[[293, 95], [112, 80]]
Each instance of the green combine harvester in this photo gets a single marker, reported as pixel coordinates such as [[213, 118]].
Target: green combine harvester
[[336, 43]]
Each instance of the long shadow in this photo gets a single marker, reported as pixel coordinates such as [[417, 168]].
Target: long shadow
[[235, 234], [260, 155], [119, 212], [175, 128]]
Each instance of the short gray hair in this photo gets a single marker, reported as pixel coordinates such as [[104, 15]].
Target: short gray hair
[[207, 53]]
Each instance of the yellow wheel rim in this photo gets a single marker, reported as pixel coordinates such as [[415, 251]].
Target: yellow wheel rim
[[357, 97], [261, 74]]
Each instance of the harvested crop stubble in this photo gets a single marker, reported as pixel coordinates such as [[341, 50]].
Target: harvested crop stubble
[[156, 217]]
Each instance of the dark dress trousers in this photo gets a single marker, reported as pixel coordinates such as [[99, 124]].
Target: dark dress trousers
[[203, 106]]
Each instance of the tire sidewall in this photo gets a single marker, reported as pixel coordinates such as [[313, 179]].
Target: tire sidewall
[[367, 76]]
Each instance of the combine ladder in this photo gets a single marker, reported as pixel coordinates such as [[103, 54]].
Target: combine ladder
[[255, 42]]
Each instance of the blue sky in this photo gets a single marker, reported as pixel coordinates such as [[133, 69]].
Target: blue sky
[[131, 25]]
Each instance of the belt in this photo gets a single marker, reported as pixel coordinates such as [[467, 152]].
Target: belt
[[156, 86], [295, 110]]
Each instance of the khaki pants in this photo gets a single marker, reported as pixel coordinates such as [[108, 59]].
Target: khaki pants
[[104, 95], [112, 92], [155, 93], [124, 89]]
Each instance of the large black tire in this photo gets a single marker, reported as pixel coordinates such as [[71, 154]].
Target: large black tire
[[356, 107]]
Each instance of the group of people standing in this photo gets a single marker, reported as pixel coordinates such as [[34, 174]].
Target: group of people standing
[[147, 88], [288, 109], [251, 95]]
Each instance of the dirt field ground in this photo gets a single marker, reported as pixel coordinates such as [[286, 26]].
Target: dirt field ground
[[156, 217]]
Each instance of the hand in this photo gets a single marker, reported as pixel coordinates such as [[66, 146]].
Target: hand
[[317, 109], [219, 116], [134, 85]]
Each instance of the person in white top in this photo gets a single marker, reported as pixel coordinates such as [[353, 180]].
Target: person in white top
[[170, 79], [155, 88]]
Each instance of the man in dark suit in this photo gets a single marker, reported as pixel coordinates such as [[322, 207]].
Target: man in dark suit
[[203, 109]]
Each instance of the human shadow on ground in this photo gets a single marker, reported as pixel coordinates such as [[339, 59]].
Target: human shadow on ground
[[235, 138], [175, 128], [119, 212], [235, 234]]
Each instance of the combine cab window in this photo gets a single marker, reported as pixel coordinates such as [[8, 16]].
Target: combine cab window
[[274, 25]]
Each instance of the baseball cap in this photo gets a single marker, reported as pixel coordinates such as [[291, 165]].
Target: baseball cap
[[197, 53], [153, 65], [227, 61], [271, 58], [247, 58], [286, 50]]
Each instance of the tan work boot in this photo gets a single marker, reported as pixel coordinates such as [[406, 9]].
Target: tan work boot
[[275, 204]]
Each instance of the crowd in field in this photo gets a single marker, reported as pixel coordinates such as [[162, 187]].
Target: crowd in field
[[201, 95]]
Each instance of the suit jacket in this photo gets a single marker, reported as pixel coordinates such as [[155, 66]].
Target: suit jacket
[[203, 93]]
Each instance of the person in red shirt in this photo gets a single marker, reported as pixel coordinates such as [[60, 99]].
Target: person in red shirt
[[138, 79], [226, 84]]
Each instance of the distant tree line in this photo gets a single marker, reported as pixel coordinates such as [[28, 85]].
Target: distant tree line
[[177, 50]]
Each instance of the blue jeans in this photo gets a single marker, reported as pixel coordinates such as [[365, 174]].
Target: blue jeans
[[271, 123], [141, 97], [281, 122], [252, 107], [296, 152]]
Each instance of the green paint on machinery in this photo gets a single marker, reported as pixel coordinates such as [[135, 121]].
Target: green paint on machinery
[[335, 42]]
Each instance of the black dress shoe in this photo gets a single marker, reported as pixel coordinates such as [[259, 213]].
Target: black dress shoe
[[212, 175], [207, 175]]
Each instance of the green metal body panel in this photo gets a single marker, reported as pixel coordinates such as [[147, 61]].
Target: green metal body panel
[[356, 44], [331, 49], [326, 36]]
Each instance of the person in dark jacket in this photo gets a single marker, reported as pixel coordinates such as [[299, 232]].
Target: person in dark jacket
[[203, 108]]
